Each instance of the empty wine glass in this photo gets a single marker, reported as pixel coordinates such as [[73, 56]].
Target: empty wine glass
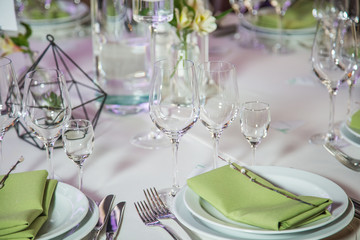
[[281, 7], [78, 142], [10, 99], [254, 122], [218, 93], [331, 65], [329, 9], [174, 105], [152, 12], [46, 107]]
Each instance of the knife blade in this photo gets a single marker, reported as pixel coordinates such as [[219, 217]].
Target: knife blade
[[104, 212], [114, 224]]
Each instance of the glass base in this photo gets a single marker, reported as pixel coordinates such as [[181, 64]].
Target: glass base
[[151, 140], [167, 196], [322, 138]]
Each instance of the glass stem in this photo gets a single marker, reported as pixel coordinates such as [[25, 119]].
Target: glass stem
[[80, 175], [175, 147], [253, 149], [349, 99], [2, 170], [331, 135], [152, 47], [49, 152], [216, 137]]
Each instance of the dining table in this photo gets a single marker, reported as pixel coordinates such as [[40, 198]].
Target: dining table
[[299, 106]]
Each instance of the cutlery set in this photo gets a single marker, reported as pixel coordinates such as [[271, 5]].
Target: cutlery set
[[154, 209], [112, 217]]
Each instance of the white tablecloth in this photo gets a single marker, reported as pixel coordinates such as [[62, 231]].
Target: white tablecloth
[[299, 108]]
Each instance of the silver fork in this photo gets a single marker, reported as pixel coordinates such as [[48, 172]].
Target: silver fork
[[148, 217], [161, 210]]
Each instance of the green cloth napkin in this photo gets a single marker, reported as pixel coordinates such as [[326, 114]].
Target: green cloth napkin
[[299, 15], [24, 204], [242, 200], [355, 122]]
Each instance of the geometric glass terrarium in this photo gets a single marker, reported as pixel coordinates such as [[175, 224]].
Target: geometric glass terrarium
[[87, 97]]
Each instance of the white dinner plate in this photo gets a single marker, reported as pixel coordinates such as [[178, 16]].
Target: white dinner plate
[[296, 181], [85, 226], [197, 226], [350, 135], [68, 207]]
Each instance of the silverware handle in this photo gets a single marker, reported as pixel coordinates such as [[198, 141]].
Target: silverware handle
[[173, 235], [95, 235], [109, 236]]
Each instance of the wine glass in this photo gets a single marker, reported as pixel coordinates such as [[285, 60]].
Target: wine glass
[[331, 65], [254, 123], [281, 7], [46, 107], [78, 142], [218, 94], [10, 99], [329, 9], [152, 12], [174, 105], [253, 7]]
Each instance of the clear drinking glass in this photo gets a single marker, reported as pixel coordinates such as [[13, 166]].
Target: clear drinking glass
[[174, 105], [46, 107], [254, 122], [331, 65], [281, 7], [78, 142], [10, 100], [152, 12], [219, 98]]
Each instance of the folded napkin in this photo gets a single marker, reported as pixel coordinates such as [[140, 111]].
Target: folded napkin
[[240, 199], [299, 15], [355, 122], [24, 203]]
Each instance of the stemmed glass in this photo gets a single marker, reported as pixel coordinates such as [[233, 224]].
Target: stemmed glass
[[281, 7], [254, 122], [218, 94], [10, 99], [153, 13], [331, 65], [253, 7], [46, 107], [174, 105], [78, 142]]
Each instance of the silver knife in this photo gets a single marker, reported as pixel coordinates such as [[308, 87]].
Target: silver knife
[[104, 212], [114, 224], [348, 161]]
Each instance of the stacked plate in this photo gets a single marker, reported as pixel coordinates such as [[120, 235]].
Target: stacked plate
[[202, 218], [350, 135], [72, 215]]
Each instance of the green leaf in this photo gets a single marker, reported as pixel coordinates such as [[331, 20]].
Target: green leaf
[[223, 14]]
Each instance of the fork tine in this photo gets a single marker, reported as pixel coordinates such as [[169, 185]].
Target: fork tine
[[151, 202], [139, 211], [158, 199]]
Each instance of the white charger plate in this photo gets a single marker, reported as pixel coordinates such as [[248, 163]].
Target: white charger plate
[[68, 207], [197, 226], [350, 135], [296, 181], [85, 226]]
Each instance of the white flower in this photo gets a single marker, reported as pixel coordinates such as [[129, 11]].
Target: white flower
[[184, 18], [204, 22], [197, 5], [7, 46]]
